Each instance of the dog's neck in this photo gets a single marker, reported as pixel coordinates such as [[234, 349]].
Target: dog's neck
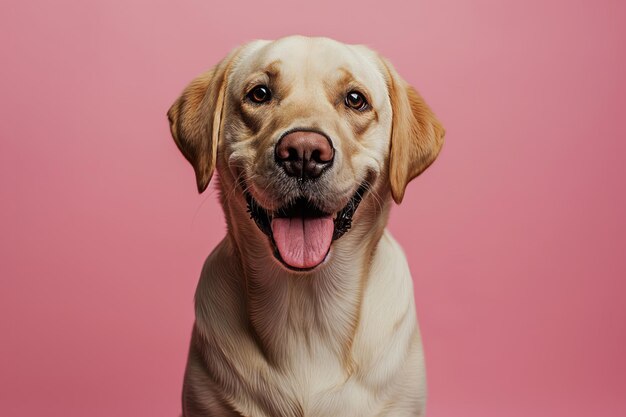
[[286, 308]]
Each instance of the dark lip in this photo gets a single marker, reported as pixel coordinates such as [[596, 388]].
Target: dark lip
[[303, 207]]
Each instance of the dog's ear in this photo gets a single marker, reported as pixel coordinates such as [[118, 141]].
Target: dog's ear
[[416, 134], [195, 119]]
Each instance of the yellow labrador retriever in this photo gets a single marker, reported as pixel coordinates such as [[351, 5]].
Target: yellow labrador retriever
[[306, 308]]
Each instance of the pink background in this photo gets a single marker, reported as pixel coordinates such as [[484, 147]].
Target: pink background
[[516, 236]]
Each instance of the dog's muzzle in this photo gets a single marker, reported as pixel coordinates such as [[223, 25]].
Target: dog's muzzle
[[300, 233]]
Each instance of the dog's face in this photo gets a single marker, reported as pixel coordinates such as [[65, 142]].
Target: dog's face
[[304, 128]]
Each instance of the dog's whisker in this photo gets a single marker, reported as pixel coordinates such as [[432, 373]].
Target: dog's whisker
[[377, 198], [237, 183]]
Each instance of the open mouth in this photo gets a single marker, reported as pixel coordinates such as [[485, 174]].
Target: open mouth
[[301, 233]]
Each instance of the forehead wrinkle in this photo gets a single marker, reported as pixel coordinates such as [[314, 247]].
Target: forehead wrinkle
[[347, 75], [277, 78], [336, 89], [273, 76], [272, 70], [349, 78], [269, 71]]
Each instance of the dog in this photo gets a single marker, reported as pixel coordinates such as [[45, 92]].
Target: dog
[[305, 308]]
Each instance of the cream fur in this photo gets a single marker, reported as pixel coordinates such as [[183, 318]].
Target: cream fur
[[341, 340]]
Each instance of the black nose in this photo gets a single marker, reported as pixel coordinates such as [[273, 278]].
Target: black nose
[[304, 154]]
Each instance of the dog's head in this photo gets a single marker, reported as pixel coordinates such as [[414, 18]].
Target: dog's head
[[304, 129]]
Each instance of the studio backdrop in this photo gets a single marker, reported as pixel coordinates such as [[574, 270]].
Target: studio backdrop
[[515, 236]]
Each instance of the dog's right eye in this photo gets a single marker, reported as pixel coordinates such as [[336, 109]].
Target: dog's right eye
[[356, 101], [259, 94]]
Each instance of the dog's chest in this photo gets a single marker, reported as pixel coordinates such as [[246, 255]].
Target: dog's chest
[[324, 384]]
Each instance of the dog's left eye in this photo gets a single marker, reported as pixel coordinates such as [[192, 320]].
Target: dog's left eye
[[259, 94], [356, 100]]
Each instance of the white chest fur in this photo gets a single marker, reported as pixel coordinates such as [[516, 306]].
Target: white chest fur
[[359, 356]]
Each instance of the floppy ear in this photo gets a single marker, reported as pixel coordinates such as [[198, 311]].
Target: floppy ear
[[416, 134], [195, 119]]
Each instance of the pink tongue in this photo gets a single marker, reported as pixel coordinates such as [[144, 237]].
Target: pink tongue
[[303, 242]]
